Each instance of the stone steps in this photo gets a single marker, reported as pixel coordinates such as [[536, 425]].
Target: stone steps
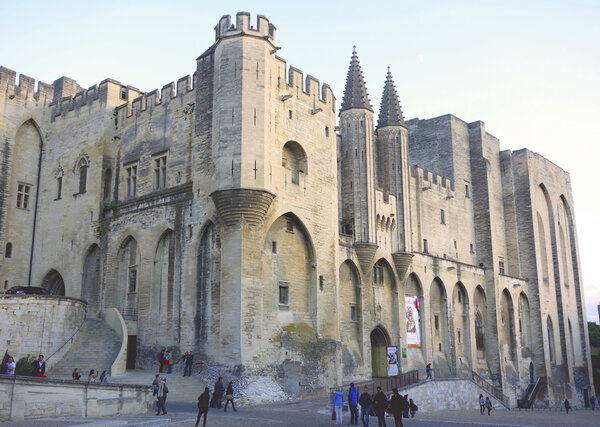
[[96, 347]]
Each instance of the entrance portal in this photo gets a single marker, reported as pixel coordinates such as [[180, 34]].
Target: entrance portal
[[380, 339]]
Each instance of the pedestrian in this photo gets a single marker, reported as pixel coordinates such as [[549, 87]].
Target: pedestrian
[[164, 380], [161, 396], [338, 405], [593, 402], [398, 405], [219, 390], [229, 397], [428, 370], [10, 366], [187, 364], [366, 401], [379, 404], [161, 360], [168, 361], [155, 388], [190, 363], [203, 406], [405, 412], [567, 406], [488, 404], [412, 407], [92, 376], [481, 404], [104, 377], [39, 367], [353, 402], [75, 374]]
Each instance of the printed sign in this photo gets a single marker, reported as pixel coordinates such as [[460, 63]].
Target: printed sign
[[392, 361], [413, 323]]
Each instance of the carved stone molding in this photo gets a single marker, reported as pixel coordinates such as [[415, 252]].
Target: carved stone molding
[[402, 260], [233, 204], [365, 251]]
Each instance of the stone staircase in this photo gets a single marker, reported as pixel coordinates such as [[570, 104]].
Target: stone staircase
[[181, 389], [96, 347]]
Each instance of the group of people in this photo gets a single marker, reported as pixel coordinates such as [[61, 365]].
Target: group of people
[[485, 404], [92, 376], [397, 405], [216, 401], [165, 362]]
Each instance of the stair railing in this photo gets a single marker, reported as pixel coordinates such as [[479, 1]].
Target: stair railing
[[402, 380], [70, 339], [541, 382], [489, 388]]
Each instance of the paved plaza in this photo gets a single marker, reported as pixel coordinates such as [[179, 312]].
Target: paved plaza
[[313, 413]]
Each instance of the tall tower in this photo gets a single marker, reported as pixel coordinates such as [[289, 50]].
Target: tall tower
[[392, 159], [358, 172]]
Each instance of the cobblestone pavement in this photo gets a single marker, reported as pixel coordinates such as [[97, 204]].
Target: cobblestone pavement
[[312, 413]]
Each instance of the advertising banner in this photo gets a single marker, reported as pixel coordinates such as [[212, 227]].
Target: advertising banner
[[413, 323], [392, 361]]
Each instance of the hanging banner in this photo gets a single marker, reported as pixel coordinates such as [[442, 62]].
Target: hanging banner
[[392, 361], [413, 323]]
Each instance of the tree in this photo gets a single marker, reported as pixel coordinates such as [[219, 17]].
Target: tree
[[594, 332]]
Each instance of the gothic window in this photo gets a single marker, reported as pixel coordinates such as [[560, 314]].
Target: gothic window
[[501, 266], [378, 275], [107, 183], [131, 179], [442, 216], [353, 313], [437, 322], [479, 337], [59, 187], [8, 251], [284, 293], [467, 193], [83, 169], [425, 246], [160, 171], [23, 193]]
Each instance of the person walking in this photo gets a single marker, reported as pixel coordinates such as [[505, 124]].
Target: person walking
[[405, 412], [428, 370], [187, 363], [168, 361], [593, 402], [338, 405], [39, 367], [488, 404], [398, 405], [567, 406], [229, 397], [379, 404], [219, 390], [481, 404], [203, 406], [161, 396], [352, 403], [161, 360], [412, 407], [366, 401], [10, 366]]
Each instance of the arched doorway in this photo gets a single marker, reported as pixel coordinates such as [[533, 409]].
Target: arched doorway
[[54, 283], [90, 281], [380, 339]]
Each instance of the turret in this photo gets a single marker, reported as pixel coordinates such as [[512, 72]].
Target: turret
[[358, 173]]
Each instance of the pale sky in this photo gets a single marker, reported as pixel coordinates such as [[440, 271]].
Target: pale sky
[[529, 69]]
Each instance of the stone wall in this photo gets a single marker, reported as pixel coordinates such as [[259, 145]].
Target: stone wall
[[27, 398], [37, 324]]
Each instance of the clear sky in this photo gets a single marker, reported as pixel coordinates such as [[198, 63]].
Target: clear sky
[[529, 69]]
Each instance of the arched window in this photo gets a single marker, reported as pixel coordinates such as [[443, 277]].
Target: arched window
[[479, 337], [107, 184], [8, 251], [293, 160], [82, 167]]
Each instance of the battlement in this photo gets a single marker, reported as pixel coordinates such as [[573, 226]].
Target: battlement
[[309, 89], [155, 98], [432, 178], [25, 90], [242, 26]]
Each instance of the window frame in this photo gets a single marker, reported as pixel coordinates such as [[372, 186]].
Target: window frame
[[283, 286], [160, 164], [131, 177], [23, 195]]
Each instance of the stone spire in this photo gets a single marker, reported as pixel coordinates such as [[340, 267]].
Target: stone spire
[[355, 94], [390, 113]]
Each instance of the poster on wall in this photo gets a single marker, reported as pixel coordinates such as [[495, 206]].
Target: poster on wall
[[413, 324], [392, 361]]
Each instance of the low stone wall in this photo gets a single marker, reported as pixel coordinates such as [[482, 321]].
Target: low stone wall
[[27, 398], [34, 324], [440, 394]]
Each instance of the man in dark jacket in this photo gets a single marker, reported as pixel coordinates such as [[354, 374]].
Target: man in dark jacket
[[219, 391], [353, 402], [365, 402], [203, 406], [379, 404], [161, 360], [397, 406], [39, 367]]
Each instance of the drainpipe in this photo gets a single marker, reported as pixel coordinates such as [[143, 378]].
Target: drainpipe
[[37, 196]]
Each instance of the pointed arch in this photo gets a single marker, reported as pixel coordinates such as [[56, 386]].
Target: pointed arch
[[480, 308], [350, 306], [163, 282], [438, 306], [460, 317], [380, 339], [82, 166], [125, 296], [54, 283], [525, 320], [90, 280], [506, 325], [294, 161]]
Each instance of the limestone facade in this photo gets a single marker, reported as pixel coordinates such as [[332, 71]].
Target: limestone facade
[[232, 213]]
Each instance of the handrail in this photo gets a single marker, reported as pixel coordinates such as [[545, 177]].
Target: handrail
[[490, 389], [536, 389], [69, 339]]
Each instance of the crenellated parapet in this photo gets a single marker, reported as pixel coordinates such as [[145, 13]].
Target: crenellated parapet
[[291, 83], [432, 180], [25, 89], [226, 28]]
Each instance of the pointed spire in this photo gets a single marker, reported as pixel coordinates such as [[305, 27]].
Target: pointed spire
[[390, 113], [355, 94]]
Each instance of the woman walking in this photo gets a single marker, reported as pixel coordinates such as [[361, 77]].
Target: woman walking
[[412, 407], [338, 405], [481, 404], [203, 400], [229, 397]]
